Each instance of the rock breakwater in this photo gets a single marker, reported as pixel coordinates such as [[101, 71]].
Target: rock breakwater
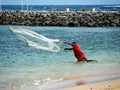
[[72, 19]]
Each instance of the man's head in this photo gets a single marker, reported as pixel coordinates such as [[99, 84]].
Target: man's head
[[73, 43]]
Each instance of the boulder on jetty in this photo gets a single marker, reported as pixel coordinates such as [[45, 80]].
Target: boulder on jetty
[[72, 19]]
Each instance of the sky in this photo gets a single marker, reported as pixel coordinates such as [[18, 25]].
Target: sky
[[59, 2]]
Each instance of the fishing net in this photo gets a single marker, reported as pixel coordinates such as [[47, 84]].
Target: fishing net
[[36, 40]]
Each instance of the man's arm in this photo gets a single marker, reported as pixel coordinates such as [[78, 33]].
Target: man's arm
[[68, 43], [68, 49]]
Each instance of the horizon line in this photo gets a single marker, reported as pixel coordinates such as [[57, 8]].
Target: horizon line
[[62, 4]]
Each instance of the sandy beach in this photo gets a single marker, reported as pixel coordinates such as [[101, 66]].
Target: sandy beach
[[107, 85], [83, 84]]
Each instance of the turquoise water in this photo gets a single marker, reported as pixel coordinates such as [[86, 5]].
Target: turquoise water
[[21, 65]]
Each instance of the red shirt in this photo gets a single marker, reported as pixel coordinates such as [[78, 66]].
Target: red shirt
[[78, 53]]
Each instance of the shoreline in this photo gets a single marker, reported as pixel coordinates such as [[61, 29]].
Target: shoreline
[[65, 19], [96, 82]]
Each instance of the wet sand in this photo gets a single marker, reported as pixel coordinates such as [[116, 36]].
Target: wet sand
[[106, 85], [98, 82]]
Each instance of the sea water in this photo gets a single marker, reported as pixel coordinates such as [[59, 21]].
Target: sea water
[[21, 65], [112, 7]]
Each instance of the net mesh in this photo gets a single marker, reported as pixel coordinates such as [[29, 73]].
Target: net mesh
[[36, 40]]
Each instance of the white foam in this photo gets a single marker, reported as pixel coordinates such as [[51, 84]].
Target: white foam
[[112, 6]]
